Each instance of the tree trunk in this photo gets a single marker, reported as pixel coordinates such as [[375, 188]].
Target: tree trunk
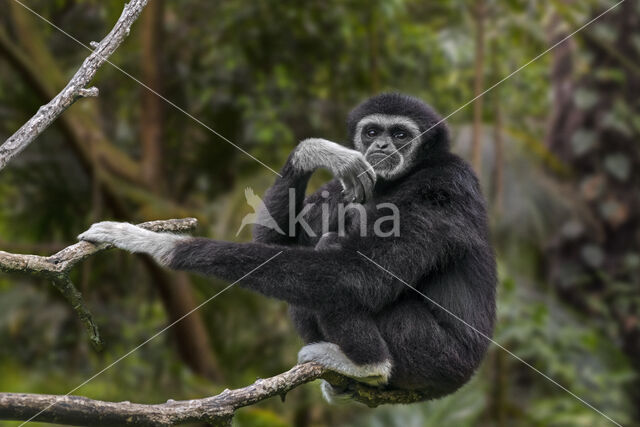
[[374, 50], [151, 119], [190, 333], [497, 178], [479, 14], [175, 289]]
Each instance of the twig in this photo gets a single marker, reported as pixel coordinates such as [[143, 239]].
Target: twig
[[56, 267], [76, 88], [216, 410]]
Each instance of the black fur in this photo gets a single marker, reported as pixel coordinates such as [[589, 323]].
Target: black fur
[[338, 296]]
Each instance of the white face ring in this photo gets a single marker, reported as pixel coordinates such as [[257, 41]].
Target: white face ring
[[407, 153]]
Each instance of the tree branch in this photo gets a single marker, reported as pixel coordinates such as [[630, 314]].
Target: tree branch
[[56, 267], [64, 260], [216, 410], [118, 174], [86, 138], [76, 88]]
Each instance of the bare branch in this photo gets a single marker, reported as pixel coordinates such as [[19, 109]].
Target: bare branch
[[216, 410], [63, 283], [56, 267], [64, 260], [76, 88], [89, 92]]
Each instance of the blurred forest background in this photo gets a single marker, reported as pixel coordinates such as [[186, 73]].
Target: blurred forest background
[[557, 148]]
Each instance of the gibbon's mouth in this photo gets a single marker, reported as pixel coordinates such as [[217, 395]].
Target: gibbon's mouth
[[380, 153], [383, 161]]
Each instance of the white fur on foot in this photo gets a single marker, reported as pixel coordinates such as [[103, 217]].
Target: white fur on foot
[[329, 355], [335, 396], [133, 239]]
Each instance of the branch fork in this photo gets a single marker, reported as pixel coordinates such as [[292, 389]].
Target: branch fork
[[57, 267]]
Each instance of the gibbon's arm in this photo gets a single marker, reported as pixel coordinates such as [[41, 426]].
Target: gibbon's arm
[[311, 154], [304, 276], [276, 203]]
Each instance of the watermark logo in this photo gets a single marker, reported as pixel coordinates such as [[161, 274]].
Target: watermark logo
[[331, 219], [260, 215]]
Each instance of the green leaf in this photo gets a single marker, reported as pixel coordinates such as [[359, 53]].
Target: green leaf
[[592, 255], [582, 141], [605, 32], [635, 40], [618, 165], [584, 98], [632, 261]]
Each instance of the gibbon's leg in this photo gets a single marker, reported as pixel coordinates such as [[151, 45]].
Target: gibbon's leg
[[352, 346], [305, 323], [426, 354]]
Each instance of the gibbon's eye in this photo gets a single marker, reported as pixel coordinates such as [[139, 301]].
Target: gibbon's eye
[[372, 132], [400, 135]]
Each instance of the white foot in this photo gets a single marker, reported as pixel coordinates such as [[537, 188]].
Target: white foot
[[329, 355], [334, 395]]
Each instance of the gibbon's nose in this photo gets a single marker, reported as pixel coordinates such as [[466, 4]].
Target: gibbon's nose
[[383, 143]]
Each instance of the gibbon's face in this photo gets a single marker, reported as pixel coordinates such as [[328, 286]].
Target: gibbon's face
[[388, 143]]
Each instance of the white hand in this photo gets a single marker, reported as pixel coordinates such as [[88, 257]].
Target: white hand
[[133, 239], [347, 165]]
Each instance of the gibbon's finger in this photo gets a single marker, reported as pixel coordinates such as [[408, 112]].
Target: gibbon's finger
[[350, 195], [370, 172], [353, 188], [367, 184], [367, 178], [360, 192], [347, 189]]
